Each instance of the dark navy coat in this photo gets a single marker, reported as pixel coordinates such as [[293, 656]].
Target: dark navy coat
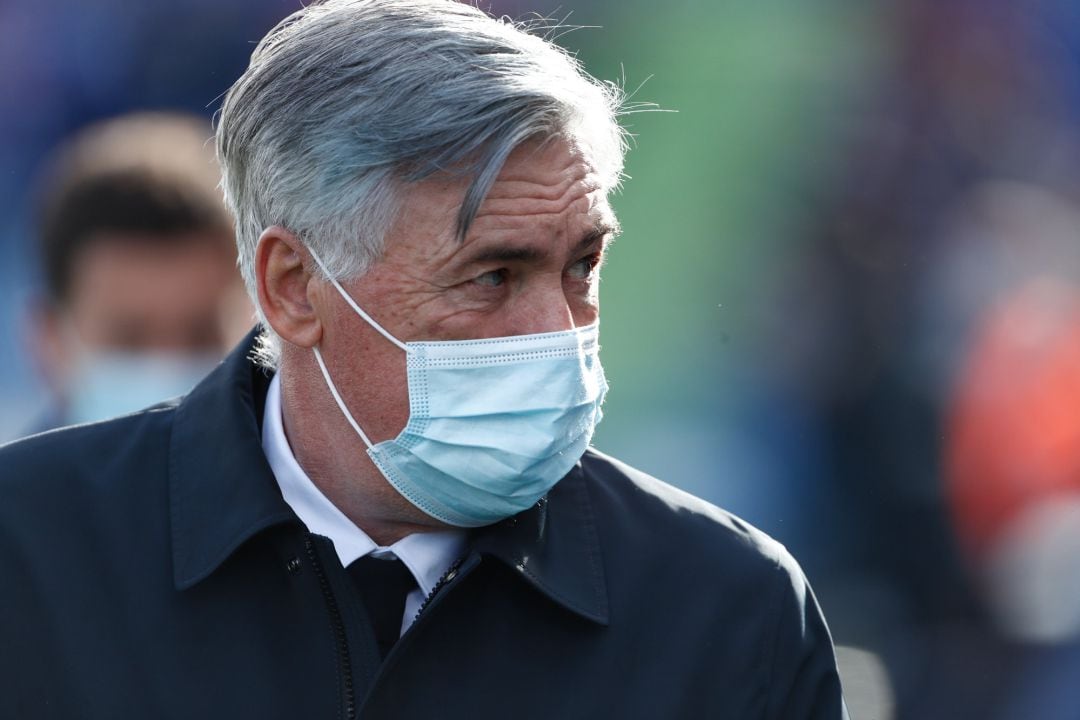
[[149, 568]]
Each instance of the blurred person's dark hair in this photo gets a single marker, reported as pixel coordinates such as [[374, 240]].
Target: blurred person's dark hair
[[140, 291], [148, 177]]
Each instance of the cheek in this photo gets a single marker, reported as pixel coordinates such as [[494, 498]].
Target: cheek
[[369, 372]]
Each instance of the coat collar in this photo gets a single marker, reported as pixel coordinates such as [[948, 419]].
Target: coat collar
[[221, 488], [554, 546], [223, 492]]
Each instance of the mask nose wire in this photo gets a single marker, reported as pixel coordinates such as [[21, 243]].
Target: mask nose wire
[[356, 308]]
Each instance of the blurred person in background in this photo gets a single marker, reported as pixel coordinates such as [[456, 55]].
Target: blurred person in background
[[142, 296], [1011, 446], [421, 202], [1013, 461], [69, 64]]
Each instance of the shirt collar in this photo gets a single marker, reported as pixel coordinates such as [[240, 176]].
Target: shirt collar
[[223, 492], [427, 555]]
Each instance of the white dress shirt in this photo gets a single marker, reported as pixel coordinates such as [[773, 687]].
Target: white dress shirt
[[428, 555]]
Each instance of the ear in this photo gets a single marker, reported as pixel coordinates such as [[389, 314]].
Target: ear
[[285, 287]]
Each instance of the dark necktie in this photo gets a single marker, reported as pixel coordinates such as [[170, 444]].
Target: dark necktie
[[383, 585]]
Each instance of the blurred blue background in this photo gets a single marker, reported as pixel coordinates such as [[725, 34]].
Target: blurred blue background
[[812, 315]]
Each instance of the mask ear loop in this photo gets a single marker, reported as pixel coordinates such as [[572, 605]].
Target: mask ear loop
[[338, 400], [318, 355], [352, 303]]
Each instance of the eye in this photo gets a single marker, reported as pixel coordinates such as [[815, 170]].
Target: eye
[[492, 278], [585, 267]]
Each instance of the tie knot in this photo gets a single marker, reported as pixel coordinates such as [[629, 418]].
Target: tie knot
[[383, 586], [389, 574]]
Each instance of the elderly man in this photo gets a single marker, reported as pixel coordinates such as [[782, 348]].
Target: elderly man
[[383, 504]]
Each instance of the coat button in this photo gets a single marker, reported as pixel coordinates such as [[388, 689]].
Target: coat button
[[293, 566]]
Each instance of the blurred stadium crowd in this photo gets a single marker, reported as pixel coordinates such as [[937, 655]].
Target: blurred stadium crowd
[[846, 303]]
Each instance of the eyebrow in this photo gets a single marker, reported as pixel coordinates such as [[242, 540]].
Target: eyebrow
[[530, 254]]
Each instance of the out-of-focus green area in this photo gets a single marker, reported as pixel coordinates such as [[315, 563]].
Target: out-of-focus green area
[[718, 186]]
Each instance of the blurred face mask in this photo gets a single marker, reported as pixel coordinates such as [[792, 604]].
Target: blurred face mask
[[493, 423], [106, 384]]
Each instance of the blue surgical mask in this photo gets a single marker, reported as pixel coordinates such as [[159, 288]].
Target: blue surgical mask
[[493, 423], [106, 384]]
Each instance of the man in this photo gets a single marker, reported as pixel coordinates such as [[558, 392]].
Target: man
[[141, 296], [396, 516]]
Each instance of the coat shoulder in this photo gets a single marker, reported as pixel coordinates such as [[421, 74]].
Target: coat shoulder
[[639, 508], [74, 471], [737, 593]]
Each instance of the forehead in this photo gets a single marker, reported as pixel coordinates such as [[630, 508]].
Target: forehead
[[154, 280], [548, 189], [543, 178]]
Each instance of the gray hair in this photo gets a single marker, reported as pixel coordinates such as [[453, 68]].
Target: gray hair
[[346, 102]]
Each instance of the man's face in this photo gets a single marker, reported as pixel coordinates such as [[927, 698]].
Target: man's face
[[529, 264], [182, 297]]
